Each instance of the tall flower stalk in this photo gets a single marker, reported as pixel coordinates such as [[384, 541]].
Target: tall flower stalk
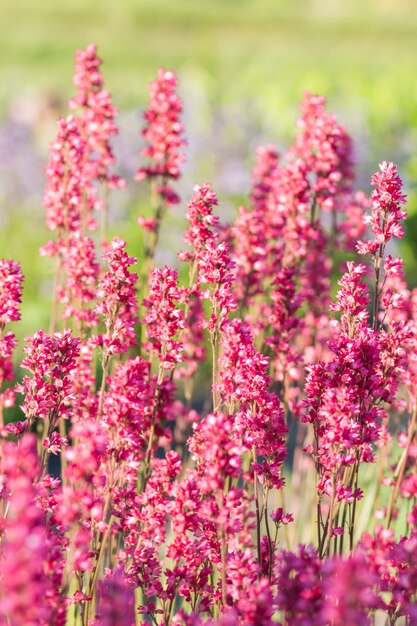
[[346, 396]]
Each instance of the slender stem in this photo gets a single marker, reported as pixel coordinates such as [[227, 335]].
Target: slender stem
[[54, 305], [63, 433], [344, 515], [103, 538], [400, 469], [105, 366], [376, 294], [313, 210], [215, 345], [355, 499], [379, 255], [148, 456], [216, 397], [105, 210], [330, 518], [271, 546], [223, 551], [258, 514], [160, 206]]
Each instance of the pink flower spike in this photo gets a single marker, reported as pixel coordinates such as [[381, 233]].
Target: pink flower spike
[[386, 213], [163, 134]]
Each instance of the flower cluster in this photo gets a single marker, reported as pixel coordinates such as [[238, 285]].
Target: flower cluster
[[11, 280], [10, 292], [163, 319], [97, 117], [259, 419], [163, 135], [117, 300], [28, 567], [325, 147], [386, 215], [346, 395], [64, 194], [209, 259], [51, 360]]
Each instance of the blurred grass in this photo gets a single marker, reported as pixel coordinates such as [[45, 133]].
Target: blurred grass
[[266, 48], [361, 54]]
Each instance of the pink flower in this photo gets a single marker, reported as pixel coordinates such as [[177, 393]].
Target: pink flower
[[81, 275], [163, 134], [326, 148], [27, 562], [386, 215], [117, 300], [51, 361], [202, 221], [11, 280], [68, 198], [210, 262], [54, 443], [259, 418], [97, 117], [300, 592], [164, 319]]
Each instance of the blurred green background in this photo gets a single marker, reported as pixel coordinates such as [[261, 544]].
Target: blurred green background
[[243, 66]]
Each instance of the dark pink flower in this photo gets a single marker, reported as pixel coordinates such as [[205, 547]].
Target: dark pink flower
[[163, 134], [117, 303], [164, 319]]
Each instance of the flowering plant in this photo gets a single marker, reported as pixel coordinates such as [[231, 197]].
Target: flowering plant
[[197, 451]]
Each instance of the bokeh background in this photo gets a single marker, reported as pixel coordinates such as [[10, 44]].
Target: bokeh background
[[243, 66]]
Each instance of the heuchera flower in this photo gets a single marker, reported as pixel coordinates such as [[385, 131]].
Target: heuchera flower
[[130, 407], [81, 274], [51, 361], [346, 395], [259, 418], [97, 117], [164, 319], [300, 593], [202, 221], [220, 515], [27, 566], [68, 198], [117, 300], [386, 213], [7, 396], [335, 591], [219, 453], [163, 135], [393, 563], [210, 254], [343, 395], [349, 589], [326, 149], [11, 280]]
